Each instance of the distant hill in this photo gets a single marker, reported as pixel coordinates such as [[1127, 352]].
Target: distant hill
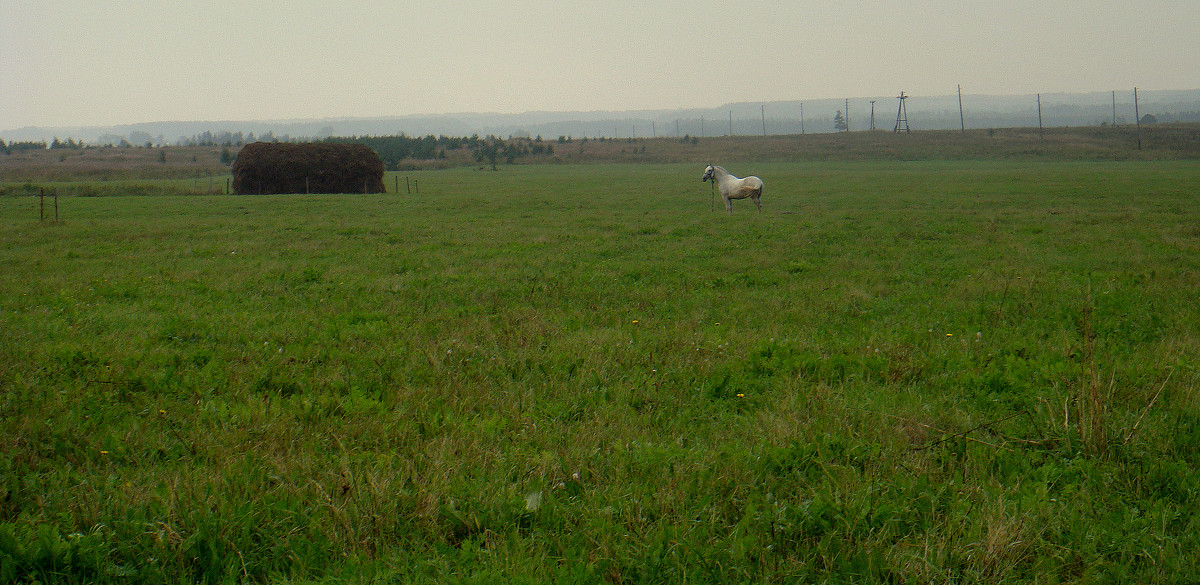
[[780, 117]]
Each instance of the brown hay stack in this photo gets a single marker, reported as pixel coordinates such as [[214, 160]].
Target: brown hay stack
[[271, 167]]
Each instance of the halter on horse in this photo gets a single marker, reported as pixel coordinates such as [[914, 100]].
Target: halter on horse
[[733, 187]]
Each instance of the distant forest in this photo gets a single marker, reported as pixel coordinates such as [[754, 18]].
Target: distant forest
[[396, 148], [391, 149]]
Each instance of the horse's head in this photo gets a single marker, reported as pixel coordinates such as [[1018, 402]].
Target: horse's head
[[708, 173]]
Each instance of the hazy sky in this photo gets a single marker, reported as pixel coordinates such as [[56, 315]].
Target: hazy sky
[[85, 62]]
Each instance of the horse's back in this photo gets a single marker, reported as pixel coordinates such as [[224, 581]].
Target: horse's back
[[753, 182]]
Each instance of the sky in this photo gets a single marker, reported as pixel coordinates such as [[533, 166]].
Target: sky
[[88, 62]]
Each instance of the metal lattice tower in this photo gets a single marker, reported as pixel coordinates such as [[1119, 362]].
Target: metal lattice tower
[[902, 115]]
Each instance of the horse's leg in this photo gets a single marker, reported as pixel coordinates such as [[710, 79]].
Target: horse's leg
[[758, 200], [728, 202]]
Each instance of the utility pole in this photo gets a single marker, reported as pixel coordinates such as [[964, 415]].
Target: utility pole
[[872, 114], [847, 115], [763, 108], [1137, 114], [731, 122], [961, 120], [1040, 136], [802, 117], [1114, 108], [902, 115]]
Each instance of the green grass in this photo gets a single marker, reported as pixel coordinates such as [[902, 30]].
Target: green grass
[[970, 372]]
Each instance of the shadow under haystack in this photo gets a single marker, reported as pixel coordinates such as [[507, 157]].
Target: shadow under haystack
[[271, 167]]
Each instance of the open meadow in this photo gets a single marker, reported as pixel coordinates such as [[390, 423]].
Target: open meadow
[[967, 371]]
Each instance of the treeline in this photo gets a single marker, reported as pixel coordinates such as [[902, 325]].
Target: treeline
[[229, 139], [69, 143], [394, 149], [11, 147], [492, 149], [1177, 117]]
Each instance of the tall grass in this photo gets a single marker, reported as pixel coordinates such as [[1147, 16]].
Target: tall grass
[[898, 372]]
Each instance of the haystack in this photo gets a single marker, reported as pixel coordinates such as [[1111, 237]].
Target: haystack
[[271, 167]]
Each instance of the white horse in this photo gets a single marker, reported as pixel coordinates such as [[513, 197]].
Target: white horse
[[733, 187]]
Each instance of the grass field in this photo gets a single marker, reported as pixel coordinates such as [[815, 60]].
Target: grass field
[[900, 372]]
